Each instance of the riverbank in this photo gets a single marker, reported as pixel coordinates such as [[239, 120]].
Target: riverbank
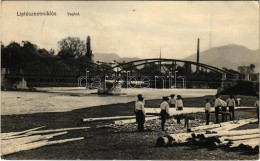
[[119, 143]]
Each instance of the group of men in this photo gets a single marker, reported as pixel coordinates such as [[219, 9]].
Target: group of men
[[165, 105], [219, 104]]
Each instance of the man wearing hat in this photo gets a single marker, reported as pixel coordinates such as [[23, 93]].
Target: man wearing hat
[[172, 100], [140, 113], [164, 111]]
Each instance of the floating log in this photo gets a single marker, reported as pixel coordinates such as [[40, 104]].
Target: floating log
[[29, 139], [30, 146], [56, 130], [6, 135]]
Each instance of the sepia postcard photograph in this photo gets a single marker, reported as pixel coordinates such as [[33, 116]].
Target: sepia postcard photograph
[[129, 80]]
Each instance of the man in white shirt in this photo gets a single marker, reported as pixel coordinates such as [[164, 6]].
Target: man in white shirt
[[140, 113], [231, 103], [217, 105], [257, 106], [207, 111], [179, 106], [223, 109], [164, 111], [172, 100]]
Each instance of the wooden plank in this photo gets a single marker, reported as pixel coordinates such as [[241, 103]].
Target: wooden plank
[[221, 126], [229, 133], [107, 118], [56, 130], [207, 127], [239, 137], [29, 139], [6, 135], [13, 137], [128, 121], [35, 145], [234, 125]]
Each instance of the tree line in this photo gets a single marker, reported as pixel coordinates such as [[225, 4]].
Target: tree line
[[31, 58]]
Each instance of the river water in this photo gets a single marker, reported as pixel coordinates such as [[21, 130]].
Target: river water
[[60, 99]]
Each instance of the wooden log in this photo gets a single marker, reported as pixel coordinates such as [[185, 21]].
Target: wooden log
[[180, 138], [207, 127], [173, 139], [13, 137], [232, 125], [128, 121], [223, 143], [6, 135], [106, 118], [29, 139], [35, 145], [250, 143], [162, 141], [228, 133], [56, 130], [109, 118], [239, 137]]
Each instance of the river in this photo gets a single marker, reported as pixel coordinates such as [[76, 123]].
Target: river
[[61, 99]]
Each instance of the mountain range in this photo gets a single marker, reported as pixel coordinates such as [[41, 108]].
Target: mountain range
[[229, 56]]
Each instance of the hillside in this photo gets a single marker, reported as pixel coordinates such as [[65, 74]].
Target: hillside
[[229, 56]]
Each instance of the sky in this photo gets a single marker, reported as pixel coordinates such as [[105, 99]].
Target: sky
[[135, 28]]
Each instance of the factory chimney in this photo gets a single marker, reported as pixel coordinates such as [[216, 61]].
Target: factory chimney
[[198, 55]]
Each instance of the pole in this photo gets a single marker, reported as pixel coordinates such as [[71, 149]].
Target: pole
[[198, 55], [160, 66]]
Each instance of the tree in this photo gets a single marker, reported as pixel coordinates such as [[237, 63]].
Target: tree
[[246, 69], [88, 49], [52, 52], [71, 47]]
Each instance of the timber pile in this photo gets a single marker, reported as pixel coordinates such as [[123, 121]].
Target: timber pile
[[187, 110], [214, 135], [25, 140]]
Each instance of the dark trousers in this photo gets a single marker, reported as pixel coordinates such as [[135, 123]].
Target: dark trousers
[[180, 108], [179, 116], [216, 114], [163, 117], [207, 113], [223, 109], [172, 105], [140, 118], [232, 111]]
